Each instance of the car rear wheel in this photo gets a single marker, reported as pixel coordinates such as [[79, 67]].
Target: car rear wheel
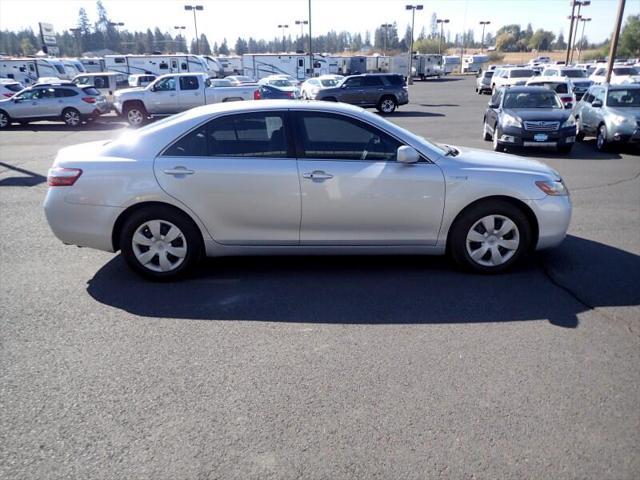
[[136, 115], [71, 117], [490, 237], [601, 138], [387, 105], [5, 121], [160, 243]]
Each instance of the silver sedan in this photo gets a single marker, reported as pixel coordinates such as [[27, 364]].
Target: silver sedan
[[282, 177]]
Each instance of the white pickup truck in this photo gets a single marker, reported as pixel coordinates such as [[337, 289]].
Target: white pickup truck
[[175, 93]]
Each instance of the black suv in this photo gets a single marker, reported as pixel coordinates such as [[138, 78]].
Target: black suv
[[528, 117], [382, 91]]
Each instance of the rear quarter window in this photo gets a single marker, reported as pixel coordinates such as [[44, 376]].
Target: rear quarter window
[[13, 87], [395, 80], [91, 91]]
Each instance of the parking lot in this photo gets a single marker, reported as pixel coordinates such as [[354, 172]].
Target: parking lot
[[339, 367]]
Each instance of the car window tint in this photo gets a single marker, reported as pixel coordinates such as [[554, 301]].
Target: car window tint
[[47, 93], [372, 82], [13, 87], [91, 91], [65, 92], [248, 135], [194, 144], [354, 82], [188, 83], [101, 82], [166, 84], [336, 137], [395, 80], [122, 81]]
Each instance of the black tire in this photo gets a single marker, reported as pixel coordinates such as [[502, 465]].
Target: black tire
[[387, 104], [71, 117], [457, 241], [601, 138], [190, 236], [135, 114], [565, 149], [579, 131], [5, 120], [485, 134], [497, 146]]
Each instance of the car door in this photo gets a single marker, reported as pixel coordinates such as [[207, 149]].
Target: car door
[[163, 98], [190, 92], [584, 110], [353, 91], [373, 89], [596, 114], [26, 104], [238, 174], [47, 104], [353, 190]]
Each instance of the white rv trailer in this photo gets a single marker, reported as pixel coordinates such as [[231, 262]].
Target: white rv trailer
[[450, 63], [231, 65], [73, 66], [157, 64], [338, 65], [93, 64], [28, 70], [260, 65], [474, 63], [427, 65], [377, 64]]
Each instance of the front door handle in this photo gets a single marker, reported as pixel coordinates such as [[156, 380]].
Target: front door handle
[[179, 171], [317, 175]]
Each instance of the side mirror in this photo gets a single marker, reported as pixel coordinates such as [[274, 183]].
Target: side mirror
[[406, 154], [596, 104], [344, 85], [493, 105]]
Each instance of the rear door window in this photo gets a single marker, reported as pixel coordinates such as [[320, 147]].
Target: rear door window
[[372, 82], [248, 135], [189, 83], [395, 80]]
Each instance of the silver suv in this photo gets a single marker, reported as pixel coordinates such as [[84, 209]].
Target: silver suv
[[53, 101]]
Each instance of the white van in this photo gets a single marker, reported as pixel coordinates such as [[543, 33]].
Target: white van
[[106, 82]]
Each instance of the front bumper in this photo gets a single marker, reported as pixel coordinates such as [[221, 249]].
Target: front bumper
[[554, 216], [624, 134], [519, 137]]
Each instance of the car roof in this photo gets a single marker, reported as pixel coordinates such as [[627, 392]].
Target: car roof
[[625, 86], [525, 89], [550, 78]]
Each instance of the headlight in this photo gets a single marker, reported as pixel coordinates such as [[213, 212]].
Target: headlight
[[569, 122], [619, 120], [510, 121], [553, 187]]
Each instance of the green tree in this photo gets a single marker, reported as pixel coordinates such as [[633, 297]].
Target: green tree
[[224, 48], [241, 46], [506, 42], [205, 48], [629, 43], [560, 43], [541, 40], [26, 46]]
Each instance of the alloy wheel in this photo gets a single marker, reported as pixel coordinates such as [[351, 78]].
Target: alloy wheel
[[72, 118], [159, 245], [388, 105], [135, 117], [601, 139], [492, 240], [4, 120]]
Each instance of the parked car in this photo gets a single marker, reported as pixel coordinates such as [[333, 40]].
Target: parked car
[[618, 74], [225, 179], [269, 92], [578, 76], [561, 85], [59, 101], [383, 91], [311, 87], [239, 79], [507, 77], [528, 117], [282, 83], [611, 113], [174, 93], [483, 82], [140, 80], [108, 83], [8, 87]]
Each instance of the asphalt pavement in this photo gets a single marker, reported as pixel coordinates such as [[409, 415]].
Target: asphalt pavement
[[339, 367]]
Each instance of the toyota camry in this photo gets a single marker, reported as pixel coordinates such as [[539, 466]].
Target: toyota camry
[[292, 177]]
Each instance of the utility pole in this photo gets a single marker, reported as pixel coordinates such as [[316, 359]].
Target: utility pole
[[193, 8], [179, 42], [310, 44], [386, 27], [581, 3], [573, 9], [413, 9], [584, 22], [302, 23], [484, 23], [441, 22], [614, 40], [76, 34], [282, 26]]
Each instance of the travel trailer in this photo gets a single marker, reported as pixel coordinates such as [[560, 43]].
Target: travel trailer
[[93, 64], [427, 65], [157, 64], [228, 65], [28, 70], [474, 63], [260, 65], [73, 66], [450, 63]]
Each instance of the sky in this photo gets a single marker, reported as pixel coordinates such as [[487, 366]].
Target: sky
[[260, 18]]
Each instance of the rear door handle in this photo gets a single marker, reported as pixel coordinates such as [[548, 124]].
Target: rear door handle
[[179, 171], [317, 175]]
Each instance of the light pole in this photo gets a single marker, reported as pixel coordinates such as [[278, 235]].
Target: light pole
[[584, 22], [386, 27], [302, 23], [484, 23], [413, 9], [614, 40], [178, 28], [581, 4], [311, 70], [194, 8], [441, 21], [76, 34], [283, 27]]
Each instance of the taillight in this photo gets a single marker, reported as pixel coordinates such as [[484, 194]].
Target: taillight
[[63, 177], [256, 95], [89, 99], [8, 95]]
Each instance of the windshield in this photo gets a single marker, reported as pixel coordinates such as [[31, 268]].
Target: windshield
[[488, 74], [531, 100], [521, 73], [574, 73], [624, 98], [82, 80], [625, 71], [280, 83], [329, 82]]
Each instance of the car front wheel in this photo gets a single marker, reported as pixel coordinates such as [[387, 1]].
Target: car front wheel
[[136, 116], [387, 105], [160, 243], [601, 138], [490, 237], [497, 146], [5, 121]]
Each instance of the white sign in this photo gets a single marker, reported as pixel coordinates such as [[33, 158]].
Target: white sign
[[47, 33]]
